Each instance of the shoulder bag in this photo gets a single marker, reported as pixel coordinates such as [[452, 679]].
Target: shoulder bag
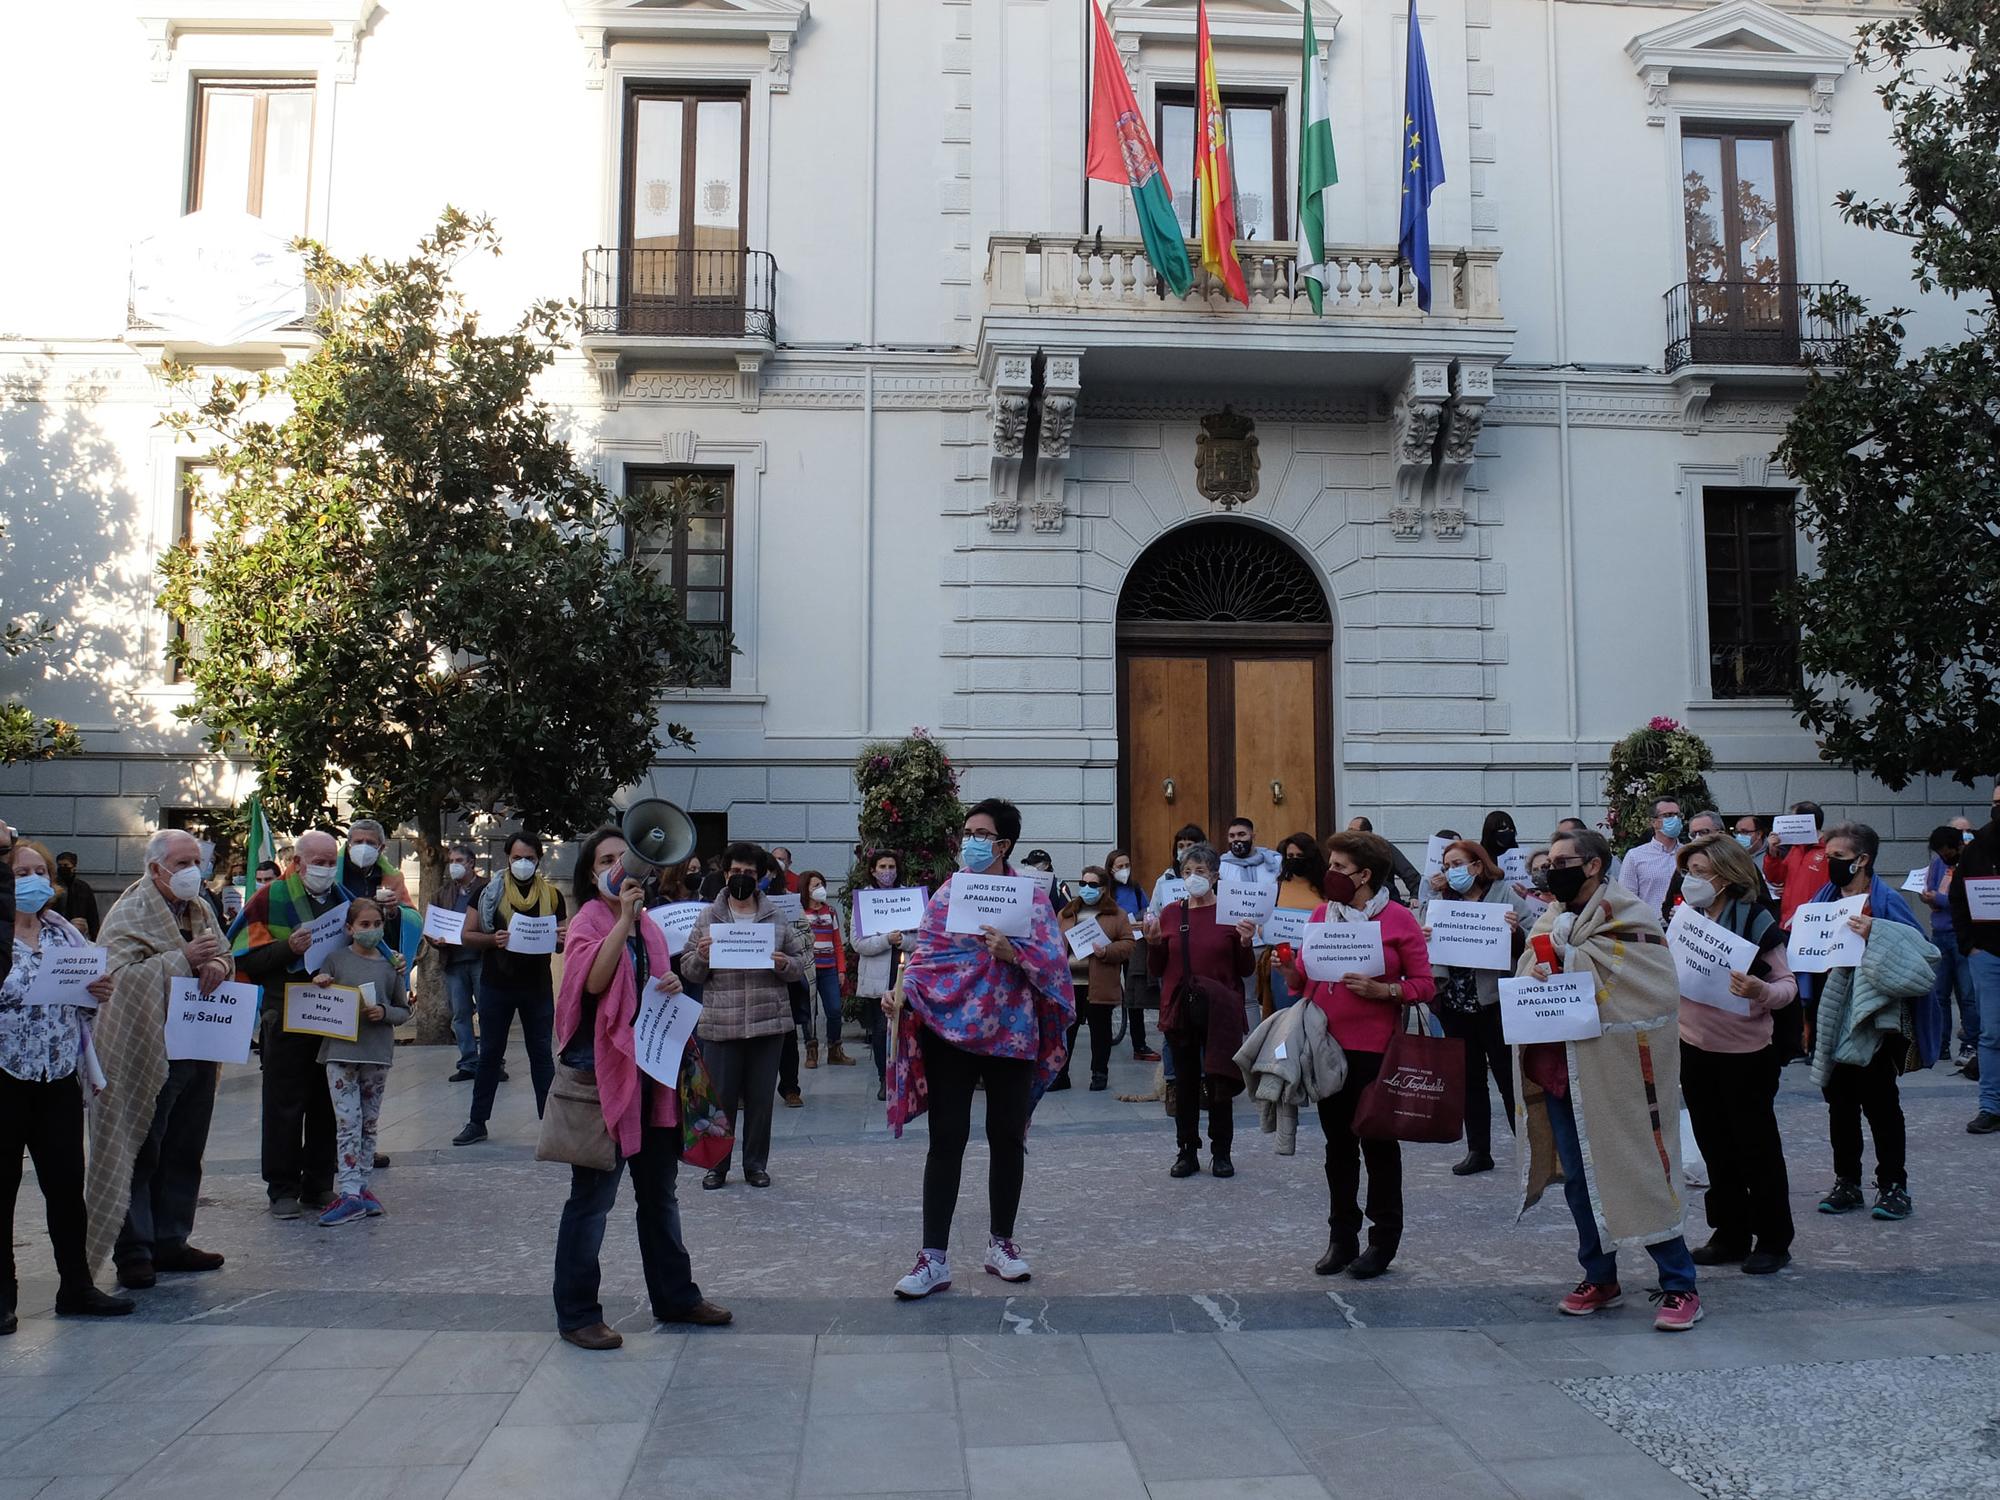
[[1419, 1094], [573, 1128]]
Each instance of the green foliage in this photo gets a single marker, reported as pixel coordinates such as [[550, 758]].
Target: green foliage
[[1898, 453], [410, 596], [24, 734], [909, 808], [1661, 760]]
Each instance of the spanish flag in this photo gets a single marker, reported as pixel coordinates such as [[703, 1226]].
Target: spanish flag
[[1211, 159]]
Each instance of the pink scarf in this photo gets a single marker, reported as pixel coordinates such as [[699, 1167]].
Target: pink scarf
[[618, 1076]]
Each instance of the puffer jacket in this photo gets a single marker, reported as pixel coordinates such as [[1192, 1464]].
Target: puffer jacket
[[1861, 1007], [737, 1004], [1291, 1059]]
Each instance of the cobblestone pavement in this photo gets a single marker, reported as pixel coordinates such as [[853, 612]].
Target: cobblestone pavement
[[1180, 1347]]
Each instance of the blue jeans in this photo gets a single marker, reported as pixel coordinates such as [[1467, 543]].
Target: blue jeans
[[670, 1284], [1600, 1266], [1984, 971], [461, 989], [1954, 990], [827, 981]]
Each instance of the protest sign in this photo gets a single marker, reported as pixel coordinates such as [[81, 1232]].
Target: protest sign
[[676, 921], [324, 933], [64, 977], [1561, 1008], [741, 945], [1244, 898], [1982, 899], [329, 1010], [442, 925], [216, 1027], [661, 1033], [1795, 828], [1286, 924], [1705, 955], [1332, 949], [877, 911], [1006, 903], [1085, 936], [531, 935], [1470, 935], [1821, 938]]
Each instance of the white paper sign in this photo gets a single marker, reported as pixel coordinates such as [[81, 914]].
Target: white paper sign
[[1795, 828], [741, 945], [1006, 903], [791, 907], [216, 1027], [65, 976], [1433, 862], [878, 912], [1561, 1008], [1286, 924], [1470, 935], [1821, 938], [1514, 865], [1914, 882], [325, 932], [1705, 954], [527, 934], [676, 922], [661, 1033], [1172, 889], [1982, 898], [442, 925], [1332, 949], [1243, 898], [1085, 936], [331, 1010]]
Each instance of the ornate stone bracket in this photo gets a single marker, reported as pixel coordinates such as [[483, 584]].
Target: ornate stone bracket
[[1471, 390], [1420, 411], [1013, 385], [338, 21], [1695, 396], [1061, 387]]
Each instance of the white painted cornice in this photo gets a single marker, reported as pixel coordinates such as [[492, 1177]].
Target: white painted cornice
[[339, 21], [600, 23]]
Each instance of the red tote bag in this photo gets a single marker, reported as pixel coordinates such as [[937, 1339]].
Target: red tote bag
[[1420, 1093]]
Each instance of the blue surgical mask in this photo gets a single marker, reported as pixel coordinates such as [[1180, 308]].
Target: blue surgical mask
[[1671, 827], [1090, 895], [368, 937], [1965, 835], [1746, 840], [33, 892], [975, 853], [1459, 878]]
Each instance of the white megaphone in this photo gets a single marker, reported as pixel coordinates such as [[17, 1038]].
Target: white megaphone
[[656, 834]]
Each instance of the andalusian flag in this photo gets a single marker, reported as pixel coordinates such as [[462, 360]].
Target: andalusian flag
[[1121, 151], [1317, 172], [257, 845], [1211, 160]]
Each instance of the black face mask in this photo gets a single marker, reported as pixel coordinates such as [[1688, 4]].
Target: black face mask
[[742, 887], [1840, 872], [1566, 882], [1296, 865], [1240, 848]]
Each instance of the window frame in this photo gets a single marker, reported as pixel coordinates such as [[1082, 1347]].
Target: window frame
[[690, 95], [1249, 96], [1708, 496], [677, 553], [185, 471], [206, 84]]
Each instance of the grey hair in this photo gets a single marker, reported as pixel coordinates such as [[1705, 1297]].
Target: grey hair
[[1864, 839], [367, 825], [1589, 845], [1203, 855], [163, 840]]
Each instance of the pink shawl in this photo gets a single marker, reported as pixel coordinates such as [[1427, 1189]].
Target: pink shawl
[[618, 1076]]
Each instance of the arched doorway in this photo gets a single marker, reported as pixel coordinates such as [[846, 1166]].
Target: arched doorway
[[1225, 650]]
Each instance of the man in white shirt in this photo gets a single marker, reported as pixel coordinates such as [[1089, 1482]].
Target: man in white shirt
[[1649, 869]]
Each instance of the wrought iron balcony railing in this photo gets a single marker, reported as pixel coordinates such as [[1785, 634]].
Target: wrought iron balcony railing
[[1752, 323], [713, 294]]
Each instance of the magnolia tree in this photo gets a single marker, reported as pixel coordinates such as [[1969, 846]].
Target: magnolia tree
[[409, 590]]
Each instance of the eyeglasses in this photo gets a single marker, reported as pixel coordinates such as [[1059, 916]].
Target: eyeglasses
[[977, 833], [1567, 864]]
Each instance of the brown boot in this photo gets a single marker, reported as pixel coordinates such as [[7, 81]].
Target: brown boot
[[596, 1336], [1172, 1099], [812, 1054], [835, 1058]]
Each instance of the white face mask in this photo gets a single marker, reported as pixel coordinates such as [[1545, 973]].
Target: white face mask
[[819, 893], [609, 880], [318, 878], [207, 860], [186, 883], [524, 869], [1197, 887], [363, 856], [455, 870], [1123, 877], [1698, 893]]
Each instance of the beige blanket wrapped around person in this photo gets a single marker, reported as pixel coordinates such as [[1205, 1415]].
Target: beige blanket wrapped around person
[[1626, 1084], [142, 953]]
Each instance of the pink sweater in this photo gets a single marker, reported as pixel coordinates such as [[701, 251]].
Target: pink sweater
[[1715, 1030], [1366, 1025]]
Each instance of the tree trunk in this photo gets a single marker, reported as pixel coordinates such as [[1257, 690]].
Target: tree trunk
[[431, 1010]]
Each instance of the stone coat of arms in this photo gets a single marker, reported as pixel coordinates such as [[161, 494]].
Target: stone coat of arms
[[1225, 459]]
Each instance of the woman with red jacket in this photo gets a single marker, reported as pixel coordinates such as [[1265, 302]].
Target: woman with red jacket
[[1187, 942], [1362, 1014]]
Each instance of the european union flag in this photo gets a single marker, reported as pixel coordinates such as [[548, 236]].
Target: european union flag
[[1423, 163]]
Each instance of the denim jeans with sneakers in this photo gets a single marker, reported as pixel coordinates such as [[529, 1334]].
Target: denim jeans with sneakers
[[1600, 1266], [1983, 969], [461, 989]]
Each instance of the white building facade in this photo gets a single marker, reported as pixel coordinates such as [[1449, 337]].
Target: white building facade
[[1139, 560]]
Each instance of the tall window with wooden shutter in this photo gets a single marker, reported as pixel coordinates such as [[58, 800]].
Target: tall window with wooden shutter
[[1750, 551], [693, 556], [253, 149]]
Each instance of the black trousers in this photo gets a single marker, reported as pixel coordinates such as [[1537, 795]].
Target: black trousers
[[951, 1074], [1730, 1098], [45, 1120], [1137, 981], [1187, 1049], [1486, 1051], [1871, 1090], [1345, 1153], [298, 1116], [166, 1174], [670, 1284], [1098, 1017], [499, 1002], [745, 1073]]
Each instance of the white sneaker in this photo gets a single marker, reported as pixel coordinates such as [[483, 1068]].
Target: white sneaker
[[930, 1274], [1004, 1259]]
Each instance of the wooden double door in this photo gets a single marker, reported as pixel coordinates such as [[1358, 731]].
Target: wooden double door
[[1212, 728]]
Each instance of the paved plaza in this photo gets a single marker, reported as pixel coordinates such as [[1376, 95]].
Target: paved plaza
[[1173, 1344]]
